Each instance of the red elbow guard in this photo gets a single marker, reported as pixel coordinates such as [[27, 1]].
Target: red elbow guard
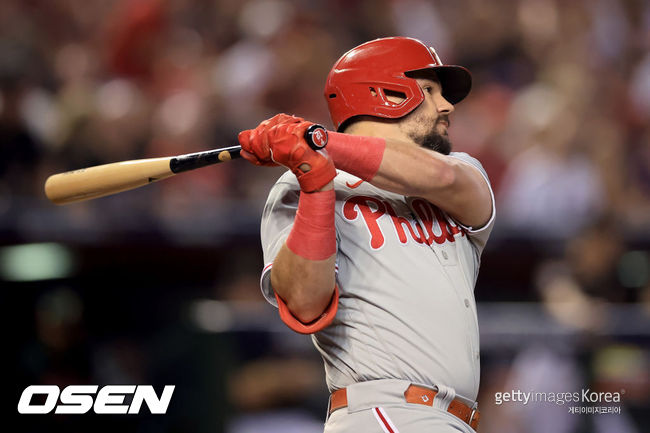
[[314, 326]]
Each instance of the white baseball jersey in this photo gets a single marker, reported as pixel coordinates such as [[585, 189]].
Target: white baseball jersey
[[406, 274]]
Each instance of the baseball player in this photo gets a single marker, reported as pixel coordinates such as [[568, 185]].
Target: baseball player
[[373, 246]]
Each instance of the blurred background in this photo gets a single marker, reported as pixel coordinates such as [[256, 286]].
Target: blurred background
[[160, 285]]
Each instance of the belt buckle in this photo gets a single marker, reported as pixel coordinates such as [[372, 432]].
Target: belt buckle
[[471, 415]]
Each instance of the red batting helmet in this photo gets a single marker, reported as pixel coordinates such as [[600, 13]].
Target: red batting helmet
[[358, 81]]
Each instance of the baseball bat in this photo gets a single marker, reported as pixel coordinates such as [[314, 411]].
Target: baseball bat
[[102, 180]]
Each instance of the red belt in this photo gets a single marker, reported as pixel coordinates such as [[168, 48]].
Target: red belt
[[418, 395]]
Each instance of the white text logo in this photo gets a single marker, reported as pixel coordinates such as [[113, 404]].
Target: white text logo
[[79, 399]]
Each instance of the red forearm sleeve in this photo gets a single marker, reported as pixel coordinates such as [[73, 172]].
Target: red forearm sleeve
[[360, 156]]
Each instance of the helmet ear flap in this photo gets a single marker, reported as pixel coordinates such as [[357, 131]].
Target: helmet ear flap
[[394, 98], [388, 97], [398, 97], [377, 97]]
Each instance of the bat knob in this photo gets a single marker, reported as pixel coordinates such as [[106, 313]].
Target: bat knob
[[316, 136]]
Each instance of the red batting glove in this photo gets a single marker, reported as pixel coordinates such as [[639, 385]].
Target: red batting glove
[[255, 142], [289, 148]]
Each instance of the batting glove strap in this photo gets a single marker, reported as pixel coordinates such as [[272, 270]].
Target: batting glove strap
[[322, 172], [289, 148]]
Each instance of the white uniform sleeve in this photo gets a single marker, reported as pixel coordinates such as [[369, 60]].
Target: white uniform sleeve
[[277, 221], [478, 235]]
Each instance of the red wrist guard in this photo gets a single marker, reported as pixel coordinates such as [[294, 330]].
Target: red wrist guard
[[360, 156], [313, 235]]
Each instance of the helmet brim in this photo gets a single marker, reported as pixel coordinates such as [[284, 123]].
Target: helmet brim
[[456, 81]]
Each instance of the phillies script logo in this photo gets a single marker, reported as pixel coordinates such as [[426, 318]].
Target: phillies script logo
[[435, 228]]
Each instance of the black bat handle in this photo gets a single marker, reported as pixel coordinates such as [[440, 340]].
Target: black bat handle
[[192, 161], [315, 135]]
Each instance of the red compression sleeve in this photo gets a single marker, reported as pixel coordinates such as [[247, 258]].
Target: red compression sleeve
[[357, 155], [313, 235]]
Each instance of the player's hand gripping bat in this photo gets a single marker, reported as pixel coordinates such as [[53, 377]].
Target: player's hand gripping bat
[[107, 179]]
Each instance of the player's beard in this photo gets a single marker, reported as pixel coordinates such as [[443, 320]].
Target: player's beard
[[431, 139], [434, 141]]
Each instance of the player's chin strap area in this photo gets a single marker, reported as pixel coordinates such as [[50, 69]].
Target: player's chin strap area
[[418, 395]]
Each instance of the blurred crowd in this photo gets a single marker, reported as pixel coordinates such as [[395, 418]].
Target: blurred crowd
[[559, 115]]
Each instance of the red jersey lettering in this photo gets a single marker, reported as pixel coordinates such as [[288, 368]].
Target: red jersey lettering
[[433, 225], [370, 216], [400, 222]]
